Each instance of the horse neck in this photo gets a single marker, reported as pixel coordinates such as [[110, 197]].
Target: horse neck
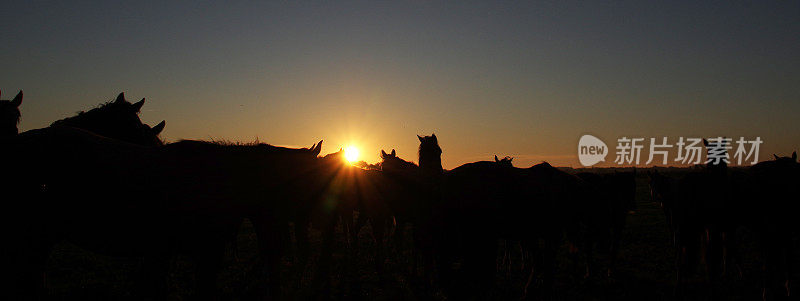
[[92, 121], [105, 126], [430, 165], [9, 126], [719, 170], [9, 131]]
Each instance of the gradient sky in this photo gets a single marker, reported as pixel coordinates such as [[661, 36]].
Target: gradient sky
[[524, 79]]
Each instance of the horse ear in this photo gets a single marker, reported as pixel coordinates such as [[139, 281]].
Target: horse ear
[[317, 149], [776, 156], [138, 106], [394, 154], [159, 127], [17, 99], [120, 97], [495, 159], [420, 138], [794, 156], [434, 137], [383, 154], [705, 142]]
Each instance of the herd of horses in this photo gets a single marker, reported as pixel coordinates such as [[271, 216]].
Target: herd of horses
[[106, 182]]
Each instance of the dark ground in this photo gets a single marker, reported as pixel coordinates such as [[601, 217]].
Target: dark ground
[[645, 271]]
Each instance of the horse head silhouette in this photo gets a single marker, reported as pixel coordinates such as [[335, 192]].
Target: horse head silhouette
[[792, 159], [385, 156], [9, 115], [118, 119], [430, 154], [392, 163], [505, 162], [787, 169]]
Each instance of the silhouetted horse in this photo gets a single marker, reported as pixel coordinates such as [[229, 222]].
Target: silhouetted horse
[[69, 182], [381, 196], [400, 192], [419, 193], [478, 191], [122, 199], [329, 201], [397, 192], [218, 185], [604, 211], [687, 217], [430, 154], [118, 119], [768, 191], [9, 116], [334, 190], [703, 216], [491, 192], [414, 179], [559, 194], [338, 190], [662, 192], [528, 205], [391, 166]]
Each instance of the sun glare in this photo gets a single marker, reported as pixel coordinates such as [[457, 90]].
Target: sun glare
[[351, 154]]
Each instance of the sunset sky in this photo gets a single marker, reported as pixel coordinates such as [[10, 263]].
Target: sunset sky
[[523, 79]]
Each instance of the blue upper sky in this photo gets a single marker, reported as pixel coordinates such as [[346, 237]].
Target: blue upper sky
[[507, 78]]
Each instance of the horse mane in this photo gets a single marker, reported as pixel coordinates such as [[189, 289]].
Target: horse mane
[[778, 162], [400, 161], [506, 162], [230, 146], [226, 142], [546, 168], [339, 154], [395, 163], [481, 165], [84, 117], [366, 166]]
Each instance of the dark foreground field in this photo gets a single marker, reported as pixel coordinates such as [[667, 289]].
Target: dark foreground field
[[646, 271]]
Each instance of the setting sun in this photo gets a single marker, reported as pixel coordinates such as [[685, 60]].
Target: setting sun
[[351, 154]]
